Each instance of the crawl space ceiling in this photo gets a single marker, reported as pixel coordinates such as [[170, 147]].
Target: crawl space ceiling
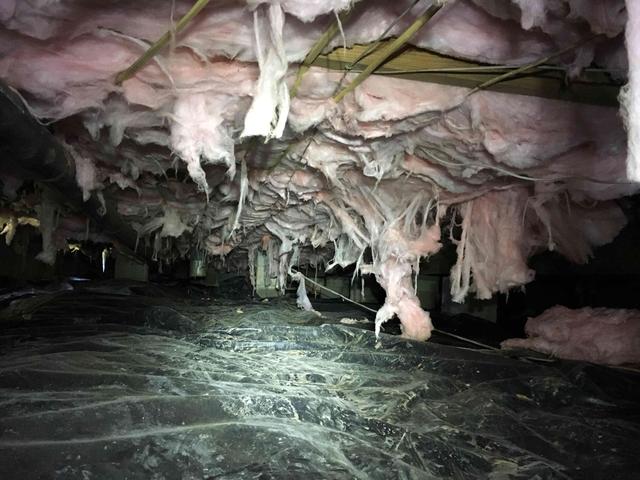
[[221, 144]]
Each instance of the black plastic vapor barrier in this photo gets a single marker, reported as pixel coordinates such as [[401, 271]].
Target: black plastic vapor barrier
[[121, 387]]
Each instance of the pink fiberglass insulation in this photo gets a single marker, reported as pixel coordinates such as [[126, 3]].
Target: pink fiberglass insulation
[[599, 335], [501, 229], [492, 253], [381, 171], [398, 253]]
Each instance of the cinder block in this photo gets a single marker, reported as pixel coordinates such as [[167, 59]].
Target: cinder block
[[198, 268], [487, 309], [265, 281], [358, 294], [313, 290], [337, 283], [129, 269], [212, 277], [428, 291]]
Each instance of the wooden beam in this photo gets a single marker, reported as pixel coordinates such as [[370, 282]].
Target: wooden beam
[[160, 43], [387, 52], [593, 87]]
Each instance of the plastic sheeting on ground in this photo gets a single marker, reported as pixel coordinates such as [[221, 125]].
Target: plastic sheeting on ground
[[101, 386]]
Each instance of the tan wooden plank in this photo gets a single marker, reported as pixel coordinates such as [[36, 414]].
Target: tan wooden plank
[[418, 64]]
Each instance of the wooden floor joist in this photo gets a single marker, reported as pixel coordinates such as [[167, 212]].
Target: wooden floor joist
[[593, 87]]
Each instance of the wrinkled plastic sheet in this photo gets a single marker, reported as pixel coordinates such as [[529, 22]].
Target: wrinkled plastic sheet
[[261, 391]]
